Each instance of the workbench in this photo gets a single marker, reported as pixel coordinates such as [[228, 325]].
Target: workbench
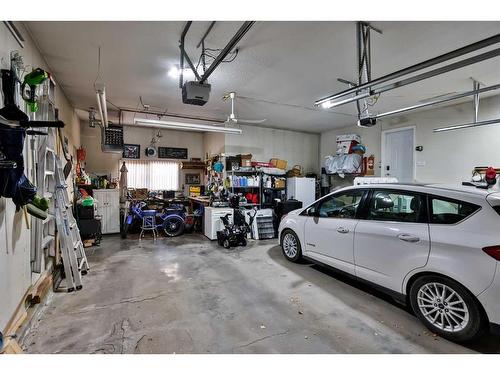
[[204, 201]]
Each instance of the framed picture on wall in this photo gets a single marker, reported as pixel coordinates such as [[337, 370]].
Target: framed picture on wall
[[172, 153], [131, 151], [192, 179]]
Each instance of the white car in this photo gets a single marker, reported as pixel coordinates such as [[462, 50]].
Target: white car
[[436, 248]]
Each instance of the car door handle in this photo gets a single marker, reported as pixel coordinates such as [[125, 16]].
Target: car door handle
[[408, 238], [342, 230]]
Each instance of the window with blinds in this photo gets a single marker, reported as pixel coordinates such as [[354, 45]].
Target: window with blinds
[[152, 174]]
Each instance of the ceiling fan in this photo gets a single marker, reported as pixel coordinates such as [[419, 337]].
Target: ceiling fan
[[232, 119]]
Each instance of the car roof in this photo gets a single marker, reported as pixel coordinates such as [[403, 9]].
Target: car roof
[[447, 190]]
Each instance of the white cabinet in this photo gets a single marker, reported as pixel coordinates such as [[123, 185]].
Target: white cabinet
[[302, 189], [212, 220], [107, 205]]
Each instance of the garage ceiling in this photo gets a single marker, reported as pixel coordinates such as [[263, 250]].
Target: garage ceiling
[[282, 67]]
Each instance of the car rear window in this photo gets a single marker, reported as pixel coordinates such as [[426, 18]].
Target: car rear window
[[444, 211], [497, 209]]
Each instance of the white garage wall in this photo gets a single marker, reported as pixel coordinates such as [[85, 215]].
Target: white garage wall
[[449, 157], [265, 143], [262, 143], [213, 143], [96, 160], [15, 270], [103, 162]]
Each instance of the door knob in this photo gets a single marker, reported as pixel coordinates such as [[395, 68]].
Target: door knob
[[342, 230], [408, 238]]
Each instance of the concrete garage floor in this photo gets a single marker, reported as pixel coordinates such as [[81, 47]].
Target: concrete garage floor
[[187, 295]]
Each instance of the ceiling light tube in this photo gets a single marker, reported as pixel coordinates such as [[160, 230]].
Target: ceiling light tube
[[332, 104], [465, 126], [101, 104], [439, 101], [414, 68], [104, 107], [174, 125], [413, 79], [99, 108]]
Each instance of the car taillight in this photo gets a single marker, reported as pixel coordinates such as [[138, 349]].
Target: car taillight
[[493, 251]]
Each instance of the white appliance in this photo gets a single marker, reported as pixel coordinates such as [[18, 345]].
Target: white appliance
[[107, 204], [212, 220], [302, 189]]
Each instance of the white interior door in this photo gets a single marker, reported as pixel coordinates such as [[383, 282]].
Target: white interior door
[[398, 154]]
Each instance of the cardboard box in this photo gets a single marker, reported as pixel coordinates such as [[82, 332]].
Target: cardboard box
[[280, 183], [278, 163], [345, 147], [246, 160]]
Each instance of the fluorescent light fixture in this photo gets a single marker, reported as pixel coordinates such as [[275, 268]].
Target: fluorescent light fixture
[[174, 125], [327, 104], [465, 126], [101, 103]]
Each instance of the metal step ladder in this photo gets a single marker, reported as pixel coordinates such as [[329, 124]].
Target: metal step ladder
[[73, 253], [45, 172], [43, 175]]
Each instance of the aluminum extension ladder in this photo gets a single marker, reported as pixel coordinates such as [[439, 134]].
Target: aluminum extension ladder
[[44, 233], [73, 253], [43, 175]]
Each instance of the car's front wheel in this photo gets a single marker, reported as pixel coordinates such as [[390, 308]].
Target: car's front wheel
[[291, 246], [447, 308]]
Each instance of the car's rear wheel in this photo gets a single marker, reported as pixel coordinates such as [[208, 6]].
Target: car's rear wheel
[[291, 246], [447, 308]]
